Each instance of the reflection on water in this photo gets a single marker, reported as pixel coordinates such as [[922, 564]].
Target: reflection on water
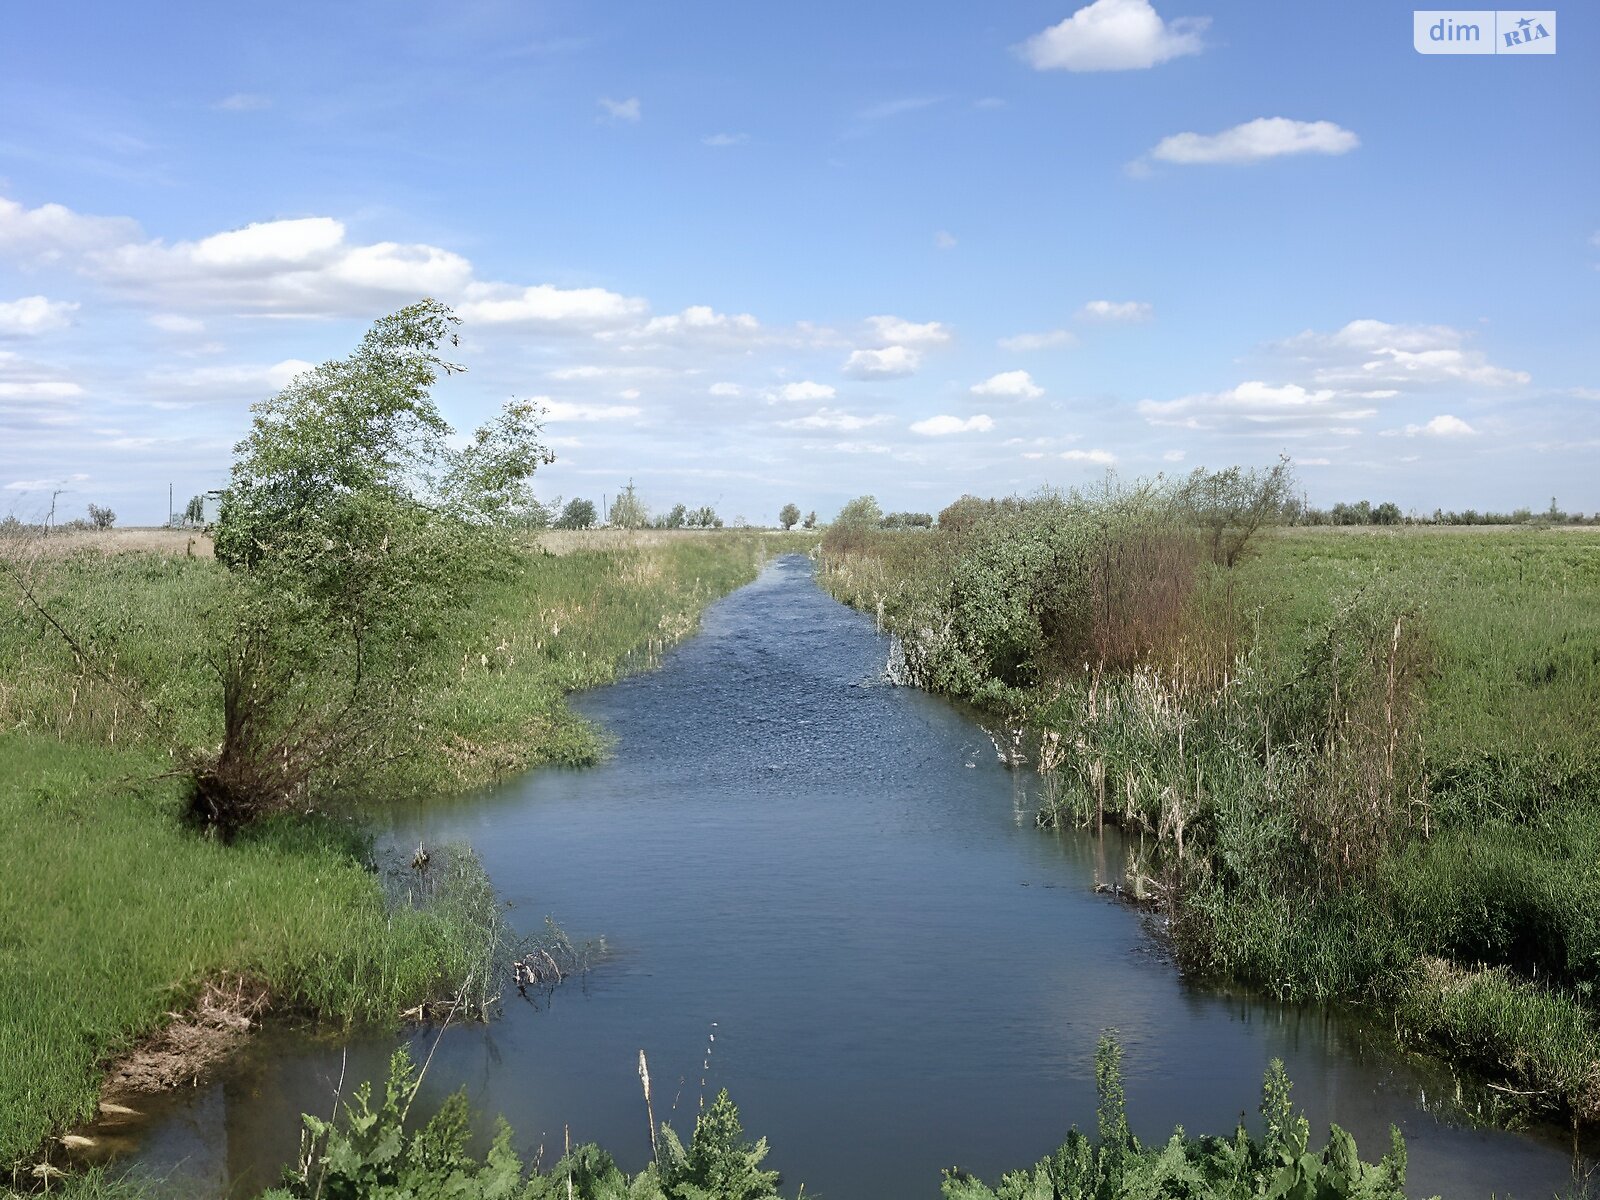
[[905, 974]]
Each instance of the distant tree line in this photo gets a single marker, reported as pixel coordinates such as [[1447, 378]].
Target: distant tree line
[[1364, 512], [629, 511]]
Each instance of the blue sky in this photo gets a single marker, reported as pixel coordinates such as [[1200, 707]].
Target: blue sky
[[755, 253]]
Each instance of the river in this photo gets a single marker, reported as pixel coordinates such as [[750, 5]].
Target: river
[[840, 880]]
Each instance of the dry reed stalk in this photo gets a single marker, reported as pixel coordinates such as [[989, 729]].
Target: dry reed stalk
[[649, 1106]]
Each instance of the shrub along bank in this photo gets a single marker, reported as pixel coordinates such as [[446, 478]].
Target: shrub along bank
[[1363, 765]]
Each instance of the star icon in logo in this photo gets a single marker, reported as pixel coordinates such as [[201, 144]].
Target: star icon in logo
[[1524, 23]]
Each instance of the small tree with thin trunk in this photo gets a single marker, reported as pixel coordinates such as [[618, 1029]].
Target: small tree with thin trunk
[[1230, 506], [101, 518], [350, 524], [628, 511], [789, 516]]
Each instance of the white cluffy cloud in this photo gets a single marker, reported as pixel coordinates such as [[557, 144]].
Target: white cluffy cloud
[[805, 389], [891, 362], [1101, 458], [1114, 35], [899, 331], [697, 321], [39, 389], [1116, 310], [1009, 383], [621, 110], [900, 351], [544, 304], [234, 379], [561, 410], [1022, 342], [1369, 354], [301, 266], [943, 425], [832, 418], [1333, 383], [176, 323], [723, 140], [42, 485], [52, 232], [244, 102], [1444, 425], [1252, 401], [1265, 137], [943, 239], [34, 314]]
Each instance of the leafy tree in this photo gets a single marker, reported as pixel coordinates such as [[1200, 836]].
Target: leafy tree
[[861, 513], [194, 513], [906, 520], [1387, 513], [349, 524], [628, 511], [961, 515], [578, 514], [811, 520], [788, 515], [101, 518], [1359, 513], [673, 518], [704, 517], [534, 514], [1231, 505]]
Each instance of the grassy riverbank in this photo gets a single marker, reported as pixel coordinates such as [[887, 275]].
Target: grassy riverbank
[[120, 914], [1364, 764]]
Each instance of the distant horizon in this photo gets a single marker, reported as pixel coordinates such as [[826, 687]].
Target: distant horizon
[[741, 253]]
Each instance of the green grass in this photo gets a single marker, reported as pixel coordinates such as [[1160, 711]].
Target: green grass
[[120, 915], [1539, 1039], [558, 624], [1514, 622], [116, 913]]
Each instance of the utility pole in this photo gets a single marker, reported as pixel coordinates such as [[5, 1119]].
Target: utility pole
[[169, 506]]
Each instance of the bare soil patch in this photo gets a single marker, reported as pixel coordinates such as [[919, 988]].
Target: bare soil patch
[[193, 1042]]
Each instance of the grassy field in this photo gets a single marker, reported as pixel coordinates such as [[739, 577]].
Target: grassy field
[[117, 914], [1366, 763], [1513, 617]]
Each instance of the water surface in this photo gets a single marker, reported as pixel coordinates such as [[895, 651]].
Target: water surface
[[902, 973]]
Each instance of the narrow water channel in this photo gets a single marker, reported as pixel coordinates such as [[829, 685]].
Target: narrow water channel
[[902, 972]]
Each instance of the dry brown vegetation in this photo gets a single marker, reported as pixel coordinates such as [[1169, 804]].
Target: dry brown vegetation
[[193, 543]]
